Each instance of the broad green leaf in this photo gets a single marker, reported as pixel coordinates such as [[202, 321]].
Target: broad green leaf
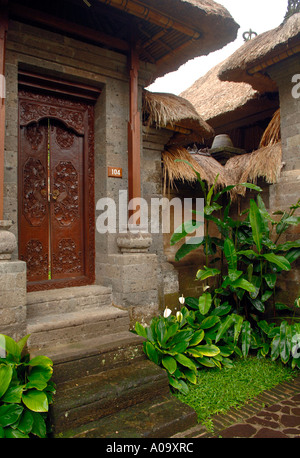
[[26, 422], [9, 414], [280, 261], [151, 352], [11, 433], [185, 361], [209, 209], [246, 338], [229, 320], [208, 350], [257, 225], [288, 245], [1, 433], [170, 332], [285, 342], [248, 253], [43, 361], [197, 337], [206, 273], [205, 303], [185, 229], [238, 322], [40, 373], [13, 395], [221, 310], [258, 304], [275, 348], [270, 279], [192, 302], [251, 186], [267, 294], [209, 322], [234, 274], [140, 330], [169, 363], [230, 253], [207, 362], [256, 281], [39, 425], [191, 376], [35, 400], [292, 255], [6, 373], [244, 284], [22, 342], [10, 347], [186, 248]]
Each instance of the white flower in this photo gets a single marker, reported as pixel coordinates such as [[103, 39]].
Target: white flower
[[182, 300], [206, 287], [167, 312], [179, 317]]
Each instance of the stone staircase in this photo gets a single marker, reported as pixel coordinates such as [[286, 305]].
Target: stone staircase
[[105, 385]]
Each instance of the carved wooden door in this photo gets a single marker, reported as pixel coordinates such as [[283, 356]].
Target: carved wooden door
[[53, 197]]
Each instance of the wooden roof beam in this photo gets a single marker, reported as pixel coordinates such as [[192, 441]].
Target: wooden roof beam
[[136, 8], [62, 25]]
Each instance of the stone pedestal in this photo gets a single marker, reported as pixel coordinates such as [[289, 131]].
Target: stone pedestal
[[12, 287]]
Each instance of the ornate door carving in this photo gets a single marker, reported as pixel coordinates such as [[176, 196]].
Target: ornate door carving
[[56, 202]]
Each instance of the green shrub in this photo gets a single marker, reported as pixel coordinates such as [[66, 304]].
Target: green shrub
[[25, 391]]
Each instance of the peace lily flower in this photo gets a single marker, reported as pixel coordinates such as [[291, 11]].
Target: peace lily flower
[[182, 300], [179, 317], [167, 312], [206, 287]]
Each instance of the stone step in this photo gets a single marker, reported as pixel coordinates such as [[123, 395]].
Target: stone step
[[84, 400], [65, 300], [92, 356], [159, 417], [48, 331]]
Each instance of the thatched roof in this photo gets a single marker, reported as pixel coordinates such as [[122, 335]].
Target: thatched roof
[[206, 165], [223, 103], [176, 113], [266, 162], [212, 25], [248, 64]]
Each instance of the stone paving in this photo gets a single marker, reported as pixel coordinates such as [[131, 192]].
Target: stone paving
[[273, 414], [279, 418]]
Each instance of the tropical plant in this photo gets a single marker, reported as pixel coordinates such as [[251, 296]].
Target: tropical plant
[[26, 390], [250, 246], [191, 339]]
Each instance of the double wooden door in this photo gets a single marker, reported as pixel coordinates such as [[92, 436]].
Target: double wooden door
[[53, 221]]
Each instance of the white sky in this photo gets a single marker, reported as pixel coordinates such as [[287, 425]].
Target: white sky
[[258, 15]]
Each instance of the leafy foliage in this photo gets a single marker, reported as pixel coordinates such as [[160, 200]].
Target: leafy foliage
[[244, 262], [25, 391]]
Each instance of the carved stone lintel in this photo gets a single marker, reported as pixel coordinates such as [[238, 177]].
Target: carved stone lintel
[[134, 242], [8, 242]]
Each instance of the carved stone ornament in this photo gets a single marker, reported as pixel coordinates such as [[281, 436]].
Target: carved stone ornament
[[134, 242], [8, 242]]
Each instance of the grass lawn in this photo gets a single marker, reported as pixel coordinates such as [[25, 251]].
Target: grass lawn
[[219, 390]]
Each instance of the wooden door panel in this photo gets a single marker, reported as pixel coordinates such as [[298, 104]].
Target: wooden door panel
[[56, 221], [67, 218], [33, 201]]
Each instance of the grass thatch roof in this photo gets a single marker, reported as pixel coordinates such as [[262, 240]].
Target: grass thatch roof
[[249, 62], [266, 162], [224, 103], [213, 24], [205, 165], [176, 113]]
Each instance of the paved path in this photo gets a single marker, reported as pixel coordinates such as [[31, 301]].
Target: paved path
[[273, 414]]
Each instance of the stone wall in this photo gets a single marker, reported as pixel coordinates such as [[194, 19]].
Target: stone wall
[[287, 191]]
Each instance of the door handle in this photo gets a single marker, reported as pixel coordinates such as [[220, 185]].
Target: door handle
[[54, 194]]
